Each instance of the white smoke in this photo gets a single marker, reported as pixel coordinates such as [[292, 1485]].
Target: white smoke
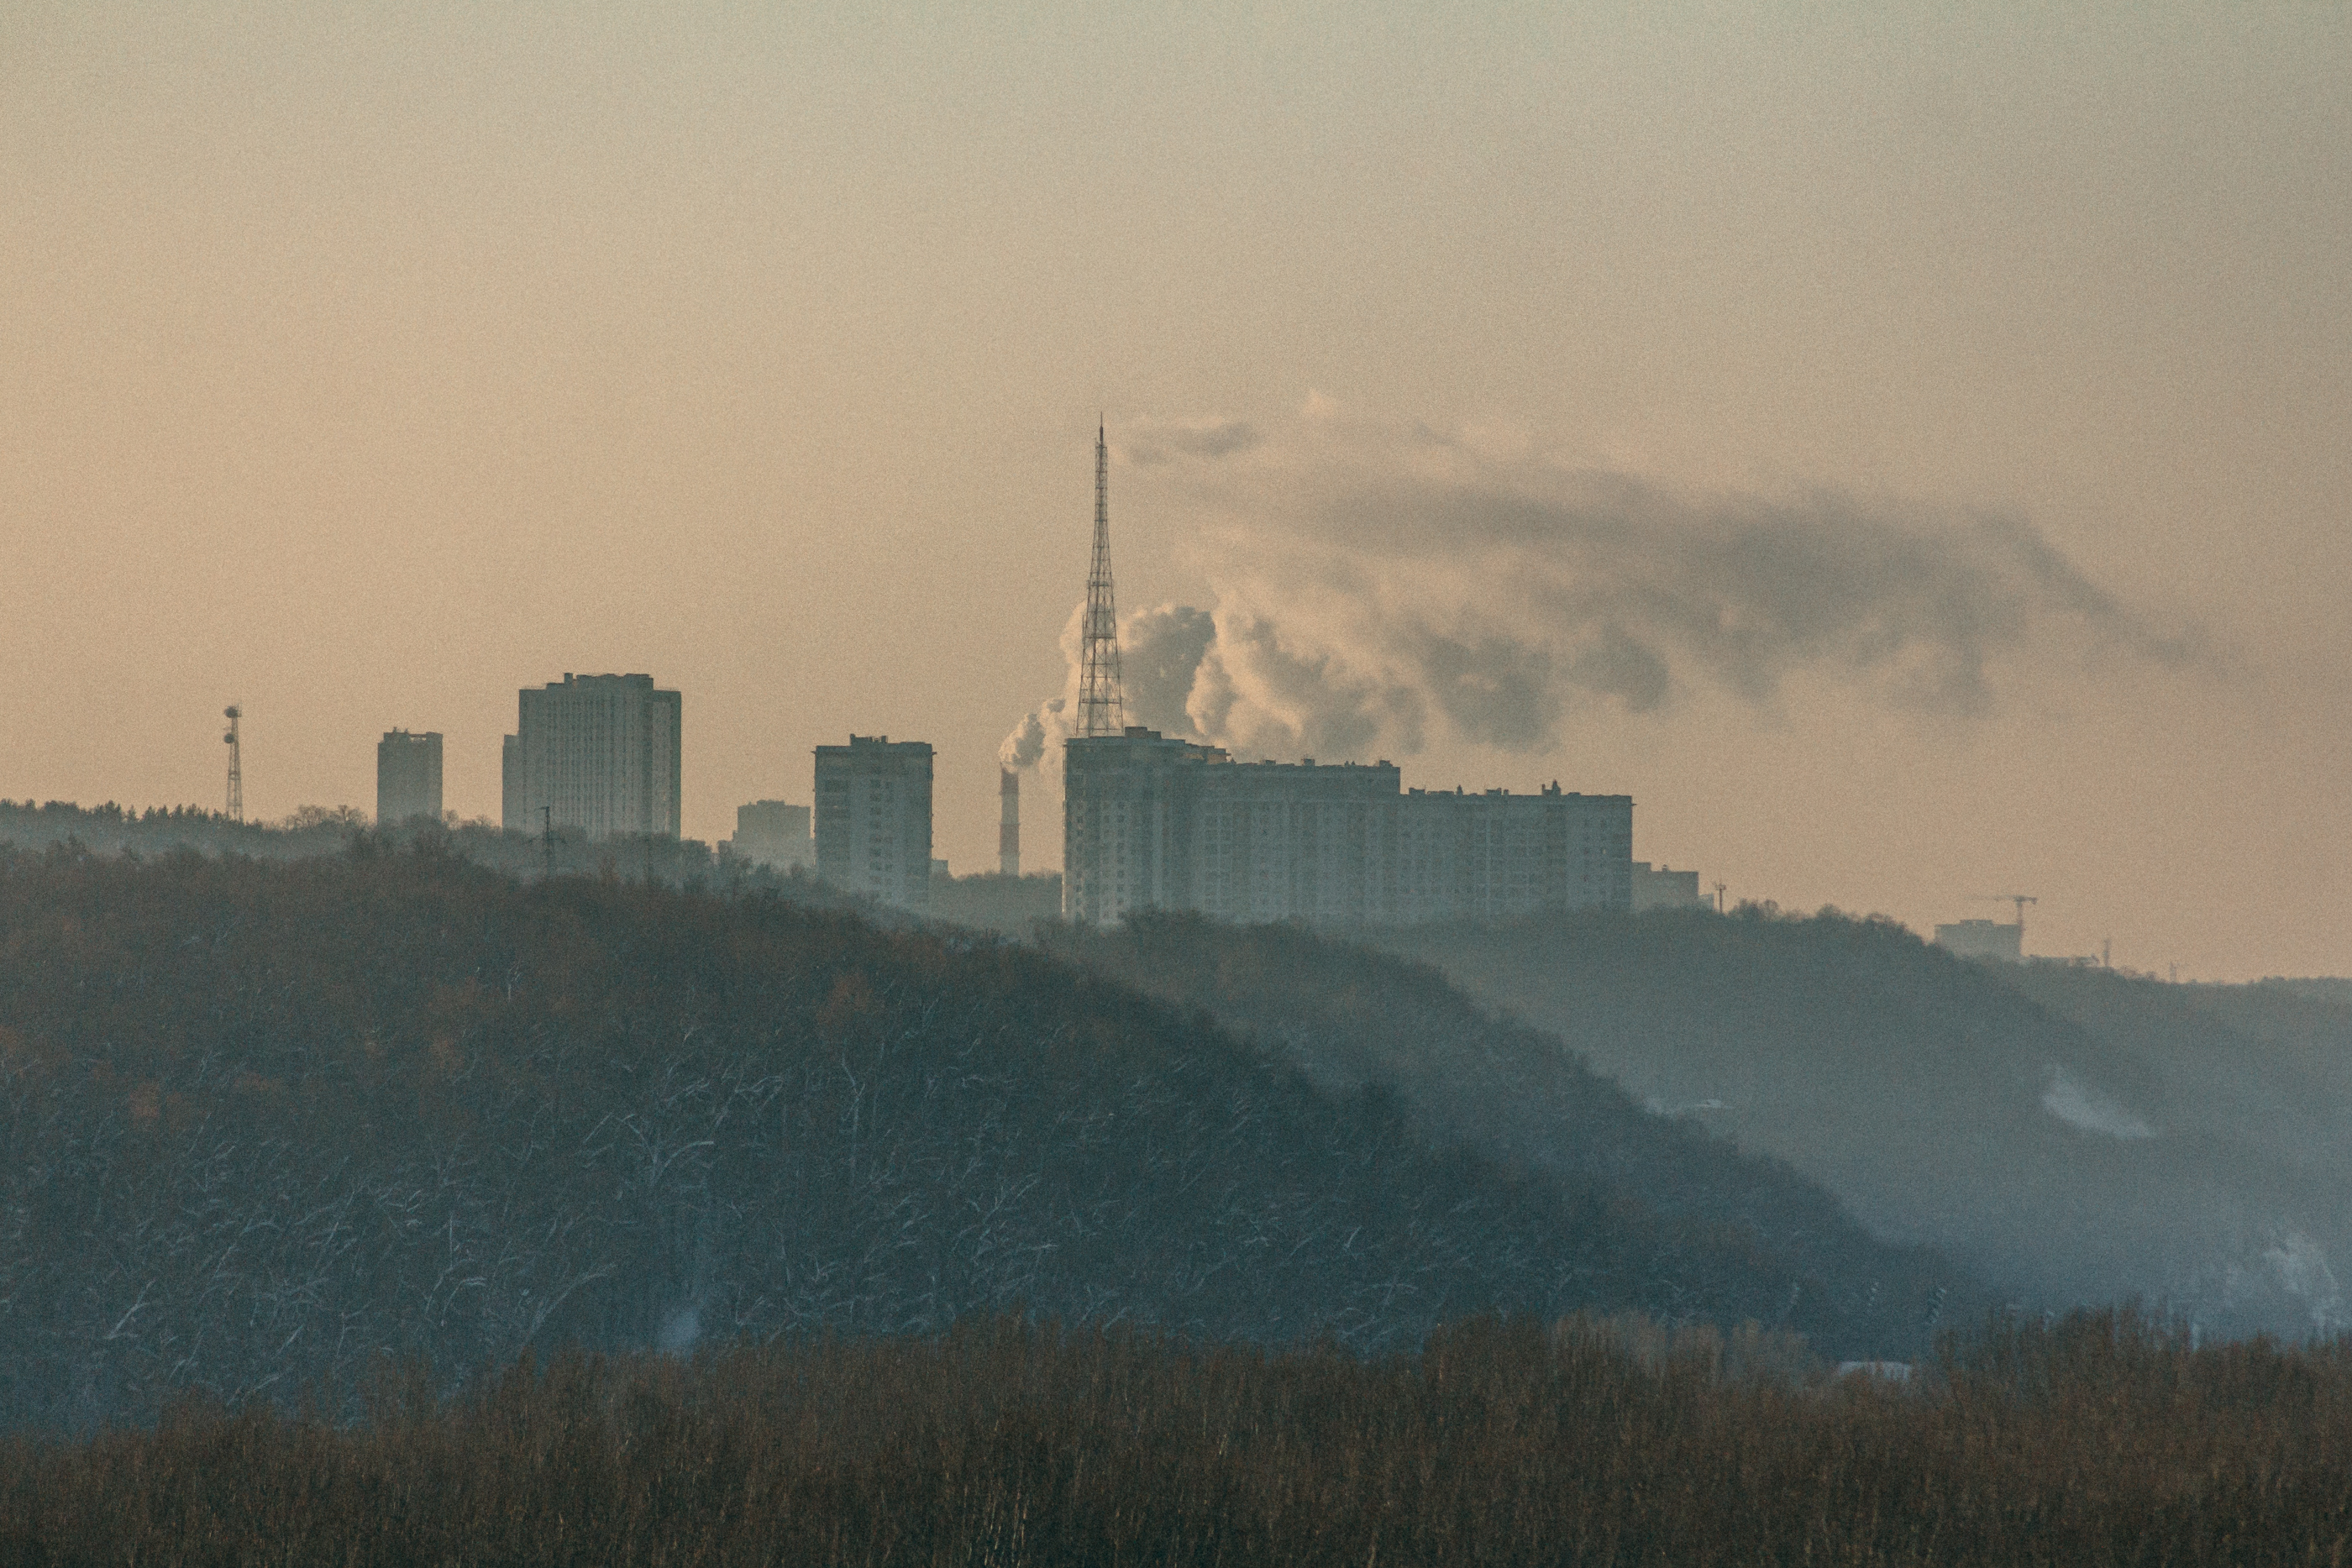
[[1038, 737], [1378, 585], [1160, 654], [1026, 744]]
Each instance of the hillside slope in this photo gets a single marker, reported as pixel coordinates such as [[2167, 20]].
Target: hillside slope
[[262, 1122], [1350, 1017], [2257, 1063], [2117, 1144]]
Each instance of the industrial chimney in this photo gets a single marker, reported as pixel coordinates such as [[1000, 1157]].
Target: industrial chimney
[[1008, 832]]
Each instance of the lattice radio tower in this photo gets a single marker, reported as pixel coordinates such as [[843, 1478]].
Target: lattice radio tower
[[236, 763], [1101, 708]]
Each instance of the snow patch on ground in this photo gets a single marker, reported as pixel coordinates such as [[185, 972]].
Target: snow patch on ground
[[682, 1328], [2299, 1264], [1658, 1107], [2089, 1110]]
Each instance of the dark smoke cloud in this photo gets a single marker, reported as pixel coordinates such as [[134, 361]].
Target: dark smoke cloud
[[1376, 585]]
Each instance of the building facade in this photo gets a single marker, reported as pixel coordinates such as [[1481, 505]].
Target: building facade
[[874, 818], [1150, 823], [1992, 941], [1663, 887], [407, 776], [774, 834], [598, 753]]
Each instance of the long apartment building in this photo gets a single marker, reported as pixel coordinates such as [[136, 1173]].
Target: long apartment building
[[1150, 823], [874, 818], [598, 753]]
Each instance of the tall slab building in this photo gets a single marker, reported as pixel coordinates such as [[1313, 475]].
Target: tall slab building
[[407, 776], [1150, 823], [874, 818], [599, 752]]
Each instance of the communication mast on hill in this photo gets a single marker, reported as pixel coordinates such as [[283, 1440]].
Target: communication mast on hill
[[1102, 710], [236, 763]]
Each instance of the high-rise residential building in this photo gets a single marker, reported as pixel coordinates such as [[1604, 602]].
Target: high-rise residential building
[[874, 818], [513, 787], [600, 752], [774, 834], [1150, 823], [407, 776]]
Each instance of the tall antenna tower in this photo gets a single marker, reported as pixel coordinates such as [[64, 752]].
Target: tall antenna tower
[[236, 763], [1101, 708]]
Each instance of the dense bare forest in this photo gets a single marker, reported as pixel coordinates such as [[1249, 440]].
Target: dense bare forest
[[267, 1120], [2097, 1442], [390, 1206]]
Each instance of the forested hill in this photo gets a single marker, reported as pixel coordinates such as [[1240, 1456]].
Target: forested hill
[[314, 831], [264, 1121], [2080, 1137], [1350, 1016]]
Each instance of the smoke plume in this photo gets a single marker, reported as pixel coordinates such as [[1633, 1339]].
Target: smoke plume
[[1378, 586]]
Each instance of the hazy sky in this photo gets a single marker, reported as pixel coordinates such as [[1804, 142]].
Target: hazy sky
[[1906, 448]]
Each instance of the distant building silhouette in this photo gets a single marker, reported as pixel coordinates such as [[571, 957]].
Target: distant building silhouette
[[874, 818], [774, 834], [407, 776], [997, 902], [601, 751], [1993, 940], [1660, 887], [1150, 823]]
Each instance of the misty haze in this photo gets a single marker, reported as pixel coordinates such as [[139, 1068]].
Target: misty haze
[[1235, 786]]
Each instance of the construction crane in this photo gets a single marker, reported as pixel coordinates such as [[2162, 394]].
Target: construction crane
[[2019, 899]]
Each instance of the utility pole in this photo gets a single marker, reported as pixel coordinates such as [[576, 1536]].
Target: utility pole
[[1102, 708], [1719, 897]]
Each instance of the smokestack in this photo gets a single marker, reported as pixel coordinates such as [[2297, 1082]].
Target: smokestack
[[1008, 832]]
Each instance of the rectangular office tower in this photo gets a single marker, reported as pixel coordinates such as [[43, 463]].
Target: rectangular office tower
[[600, 752], [407, 776], [1154, 823], [874, 818]]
